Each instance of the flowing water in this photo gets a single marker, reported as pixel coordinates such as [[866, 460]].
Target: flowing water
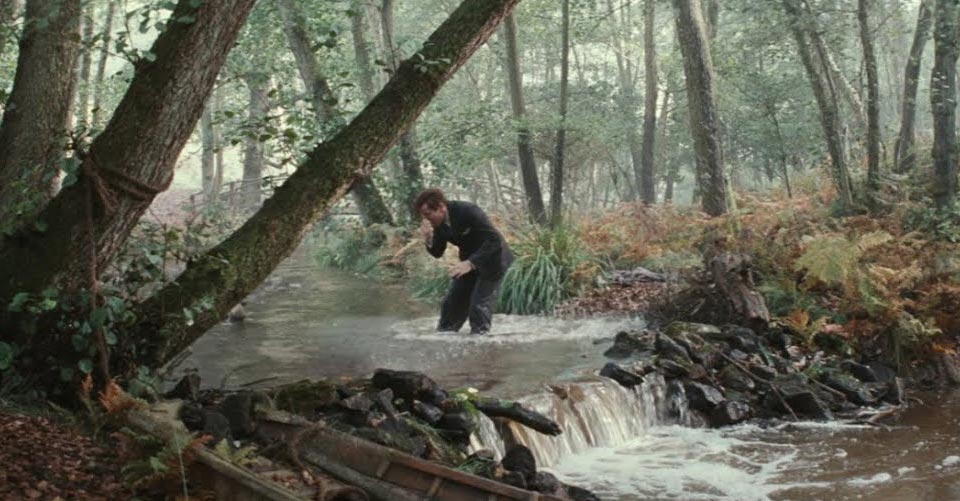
[[623, 444]]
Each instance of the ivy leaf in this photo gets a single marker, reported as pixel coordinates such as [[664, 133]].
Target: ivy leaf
[[110, 338], [85, 365], [19, 299], [98, 317]]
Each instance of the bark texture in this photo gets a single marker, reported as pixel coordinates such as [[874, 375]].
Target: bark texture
[[943, 95], [905, 154]]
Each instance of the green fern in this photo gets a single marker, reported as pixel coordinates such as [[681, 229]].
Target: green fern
[[833, 260], [241, 457]]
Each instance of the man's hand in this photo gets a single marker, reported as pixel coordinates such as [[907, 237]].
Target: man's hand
[[460, 269], [426, 231]]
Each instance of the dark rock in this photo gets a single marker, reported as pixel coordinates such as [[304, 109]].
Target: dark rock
[[848, 385], [482, 463], [547, 483], [305, 397], [192, 416], [217, 426], [702, 397], [743, 338], [187, 388], [738, 355], [859, 371], [831, 343], [710, 356], [626, 344], [238, 408], [883, 372], [676, 399], [697, 372], [734, 379], [514, 411], [799, 396], [384, 400], [514, 478], [778, 339], [458, 425], [436, 396], [895, 392], [645, 364], [682, 329], [427, 412], [408, 385], [357, 403], [619, 374], [730, 412], [763, 372], [668, 348], [519, 459], [344, 393], [580, 494], [671, 369]]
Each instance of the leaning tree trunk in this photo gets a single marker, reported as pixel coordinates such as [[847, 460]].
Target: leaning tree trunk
[[368, 199], [829, 114], [253, 155], [556, 189], [528, 163], [943, 95], [873, 98], [232, 269], [35, 125], [153, 122], [704, 122], [648, 178], [904, 151], [412, 182]]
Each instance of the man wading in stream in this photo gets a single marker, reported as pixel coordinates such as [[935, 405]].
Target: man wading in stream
[[484, 259]]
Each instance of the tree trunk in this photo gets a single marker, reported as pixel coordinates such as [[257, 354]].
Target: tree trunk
[[704, 123], [152, 123], [772, 112], [218, 102], [361, 53], [904, 151], [207, 153], [943, 92], [528, 164], [8, 15], [648, 178], [232, 269], [368, 199], [412, 182], [556, 191], [628, 93], [829, 115], [86, 61], [105, 41], [33, 134], [873, 98], [253, 156]]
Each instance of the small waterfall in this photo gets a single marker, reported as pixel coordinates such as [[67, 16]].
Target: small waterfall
[[594, 413]]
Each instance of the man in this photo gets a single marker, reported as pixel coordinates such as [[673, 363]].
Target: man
[[484, 259]]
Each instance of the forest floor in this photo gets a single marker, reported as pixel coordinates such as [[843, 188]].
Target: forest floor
[[51, 459]]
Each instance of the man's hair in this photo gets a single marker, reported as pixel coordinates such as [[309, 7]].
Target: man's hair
[[431, 197]]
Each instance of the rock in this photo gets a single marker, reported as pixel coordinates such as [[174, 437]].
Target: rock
[[626, 378], [859, 371], [580, 494], [734, 379], [645, 364], [697, 372], [436, 396], [305, 397], [671, 369], [427, 412], [519, 459], [763, 372], [883, 372], [515, 411], [848, 385], [384, 400], [482, 463], [514, 478], [831, 343], [408, 385], [458, 426], [217, 426], [668, 348], [895, 392], [238, 409], [681, 329], [743, 338], [237, 313], [625, 344], [702, 397], [357, 403], [676, 399], [730, 412], [547, 483], [186, 389], [798, 396]]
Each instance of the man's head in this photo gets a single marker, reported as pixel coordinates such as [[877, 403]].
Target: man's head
[[432, 206]]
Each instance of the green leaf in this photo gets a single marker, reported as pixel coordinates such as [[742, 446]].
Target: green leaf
[[110, 338], [6, 356], [66, 374], [79, 342], [98, 317], [40, 225], [186, 19], [19, 299], [85, 365]]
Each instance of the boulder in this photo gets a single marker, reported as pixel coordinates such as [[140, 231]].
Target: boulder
[[514, 478], [427, 412], [883, 372], [408, 385], [667, 347], [238, 409], [186, 389], [547, 483], [799, 396], [626, 378], [734, 379], [702, 397], [580, 494], [519, 459], [859, 371], [730, 412], [305, 397], [357, 403], [851, 388], [895, 392], [625, 344], [671, 369]]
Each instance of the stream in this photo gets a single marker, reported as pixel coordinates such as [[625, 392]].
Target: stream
[[307, 322]]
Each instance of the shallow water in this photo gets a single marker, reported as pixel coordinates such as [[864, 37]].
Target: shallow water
[[313, 323]]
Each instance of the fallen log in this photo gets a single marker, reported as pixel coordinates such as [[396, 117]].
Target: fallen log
[[514, 411]]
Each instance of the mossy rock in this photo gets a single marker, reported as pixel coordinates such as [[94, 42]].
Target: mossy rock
[[305, 397]]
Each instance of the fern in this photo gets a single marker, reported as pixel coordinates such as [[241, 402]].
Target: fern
[[832, 260], [241, 457]]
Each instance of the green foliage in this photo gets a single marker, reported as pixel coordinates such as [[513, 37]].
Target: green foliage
[[940, 224], [242, 456], [430, 283], [351, 246], [550, 267], [830, 259]]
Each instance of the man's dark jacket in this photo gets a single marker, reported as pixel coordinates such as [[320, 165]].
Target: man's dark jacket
[[479, 242]]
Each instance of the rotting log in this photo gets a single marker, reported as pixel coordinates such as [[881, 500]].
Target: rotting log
[[514, 411]]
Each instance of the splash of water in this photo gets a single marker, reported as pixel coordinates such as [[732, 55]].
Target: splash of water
[[518, 329]]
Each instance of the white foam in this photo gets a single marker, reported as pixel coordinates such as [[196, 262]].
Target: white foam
[[876, 479], [950, 461], [905, 469], [517, 329]]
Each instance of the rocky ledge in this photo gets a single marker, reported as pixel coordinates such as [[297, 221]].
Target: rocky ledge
[[730, 374]]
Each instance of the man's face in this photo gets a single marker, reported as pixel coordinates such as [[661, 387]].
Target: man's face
[[435, 216]]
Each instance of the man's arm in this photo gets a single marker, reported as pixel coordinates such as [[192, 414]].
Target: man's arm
[[492, 241], [436, 244]]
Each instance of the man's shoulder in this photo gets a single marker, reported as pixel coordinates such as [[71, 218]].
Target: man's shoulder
[[461, 207]]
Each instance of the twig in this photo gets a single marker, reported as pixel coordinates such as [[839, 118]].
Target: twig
[[772, 386], [258, 381]]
